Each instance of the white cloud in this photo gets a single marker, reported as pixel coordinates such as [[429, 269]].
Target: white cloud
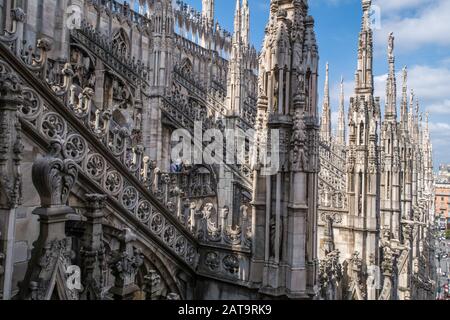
[[440, 128], [393, 6], [442, 107], [427, 25], [440, 134], [263, 6], [431, 85]]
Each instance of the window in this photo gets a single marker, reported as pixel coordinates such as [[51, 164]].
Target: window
[[120, 43], [388, 188], [361, 133]]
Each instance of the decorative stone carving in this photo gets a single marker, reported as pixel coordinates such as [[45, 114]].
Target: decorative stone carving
[[95, 166], [75, 148], [233, 235], [169, 235], [144, 211], [105, 89], [10, 139], [53, 126], [357, 286], [54, 177], [191, 255], [18, 15], [173, 296], [329, 219], [92, 253], [373, 278], [180, 246], [330, 276], [124, 265], [52, 255], [113, 183], [299, 147], [231, 264], [212, 261], [13, 38], [129, 198], [31, 106], [49, 263], [388, 261], [153, 286]]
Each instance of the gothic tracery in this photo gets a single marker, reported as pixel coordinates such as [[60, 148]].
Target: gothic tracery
[[94, 112]]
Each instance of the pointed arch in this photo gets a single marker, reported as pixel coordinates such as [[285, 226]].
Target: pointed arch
[[361, 133], [121, 43], [186, 66]]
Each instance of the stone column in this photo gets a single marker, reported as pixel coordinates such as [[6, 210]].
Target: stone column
[[92, 249], [260, 202], [10, 176], [53, 179], [99, 85], [125, 264]]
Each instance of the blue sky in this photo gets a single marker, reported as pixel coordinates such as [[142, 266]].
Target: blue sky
[[422, 31]]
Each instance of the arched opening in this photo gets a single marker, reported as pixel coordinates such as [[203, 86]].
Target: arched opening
[[361, 133], [186, 66], [121, 43]]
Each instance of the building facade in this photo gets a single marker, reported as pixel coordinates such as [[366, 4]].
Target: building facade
[[114, 183], [376, 226], [442, 188], [443, 205]]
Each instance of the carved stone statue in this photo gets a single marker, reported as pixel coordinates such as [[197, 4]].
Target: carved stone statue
[[391, 45], [298, 143]]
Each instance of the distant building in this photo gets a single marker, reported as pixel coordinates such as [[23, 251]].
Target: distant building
[[444, 174], [443, 203]]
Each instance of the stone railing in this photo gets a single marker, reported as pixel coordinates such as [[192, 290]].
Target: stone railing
[[112, 161], [180, 112], [190, 20], [332, 187], [190, 81], [332, 160], [100, 45], [249, 111], [122, 10], [192, 47], [184, 117], [218, 89], [106, 154]]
